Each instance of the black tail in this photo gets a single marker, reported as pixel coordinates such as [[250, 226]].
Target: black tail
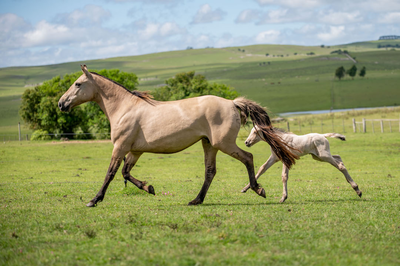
[[260, 117]]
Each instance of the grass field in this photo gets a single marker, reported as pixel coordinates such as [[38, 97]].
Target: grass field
[[45, 185], [283, 84]]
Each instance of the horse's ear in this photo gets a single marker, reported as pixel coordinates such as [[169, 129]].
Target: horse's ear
[[86, 72]]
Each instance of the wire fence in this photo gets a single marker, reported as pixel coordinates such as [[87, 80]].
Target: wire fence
[[296, 125]]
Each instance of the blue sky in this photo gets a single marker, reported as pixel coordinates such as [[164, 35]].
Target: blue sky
[[48, 32]]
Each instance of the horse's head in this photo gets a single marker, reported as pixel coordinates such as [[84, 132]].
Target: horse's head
[[81, 91], [253, 137]]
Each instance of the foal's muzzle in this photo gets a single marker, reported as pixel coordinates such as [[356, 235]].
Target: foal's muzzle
[[247, 143]]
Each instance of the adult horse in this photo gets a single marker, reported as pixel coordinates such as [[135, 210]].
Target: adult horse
[[140, 124]]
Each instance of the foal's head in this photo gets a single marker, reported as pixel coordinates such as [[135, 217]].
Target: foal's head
[[253, 137], [83, 90]]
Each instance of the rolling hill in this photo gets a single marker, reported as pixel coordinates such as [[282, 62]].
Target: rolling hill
[[286, 80]]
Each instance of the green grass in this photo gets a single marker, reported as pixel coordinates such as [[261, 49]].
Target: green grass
[[289, 83], [44, 187]]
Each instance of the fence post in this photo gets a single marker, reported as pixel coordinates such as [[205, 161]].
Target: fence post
[[288, 127], [354, 125], [365, 126], [381, 126], [322, 127], [298, 120], [19, 131]]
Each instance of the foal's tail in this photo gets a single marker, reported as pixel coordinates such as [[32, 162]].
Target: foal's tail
[[334, 135], [260, 118]]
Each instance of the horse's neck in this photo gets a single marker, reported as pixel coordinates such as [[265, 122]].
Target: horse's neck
[[112, 99]]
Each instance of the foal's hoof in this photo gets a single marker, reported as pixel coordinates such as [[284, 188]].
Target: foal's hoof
[[90, 204], [195, 202], [244, 190], [359, 193]]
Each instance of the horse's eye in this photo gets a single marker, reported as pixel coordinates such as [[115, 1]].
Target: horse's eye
[[77, 84]]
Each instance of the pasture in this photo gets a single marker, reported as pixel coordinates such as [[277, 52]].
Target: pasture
[[44, 187]]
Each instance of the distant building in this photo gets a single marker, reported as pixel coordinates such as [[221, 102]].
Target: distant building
[[389, 37]]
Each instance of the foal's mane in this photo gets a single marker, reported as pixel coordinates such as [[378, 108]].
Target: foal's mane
[[140, 94]]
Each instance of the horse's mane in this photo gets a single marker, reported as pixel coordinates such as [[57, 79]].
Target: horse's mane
[[144, 95]]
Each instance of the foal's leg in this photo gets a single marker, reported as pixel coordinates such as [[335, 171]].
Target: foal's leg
[[340, 165], [247, 159], [337, 162], [285, 177], [116, 159], [130, 161], [271, 161], [210, 154]]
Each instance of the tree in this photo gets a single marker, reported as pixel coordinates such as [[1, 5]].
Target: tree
[[39, 108], [352, 71], [340, 72], [363, 71], [188, 85]]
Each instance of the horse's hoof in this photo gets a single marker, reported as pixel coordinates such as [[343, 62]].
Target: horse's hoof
[[261, 192], [90, 204], [359, 194], [195, 202], [151, 190], [282, 200]]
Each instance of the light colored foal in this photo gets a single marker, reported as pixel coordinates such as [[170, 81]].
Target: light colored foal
[[315, 144]]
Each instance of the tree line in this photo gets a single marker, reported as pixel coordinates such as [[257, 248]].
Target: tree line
[[340, 72]]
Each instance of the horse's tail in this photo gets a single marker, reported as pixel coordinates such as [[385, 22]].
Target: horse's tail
[[259, 117], [334, 135]]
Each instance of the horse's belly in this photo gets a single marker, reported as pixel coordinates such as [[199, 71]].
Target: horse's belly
[[166, 144]]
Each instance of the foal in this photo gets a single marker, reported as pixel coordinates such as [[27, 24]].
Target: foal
[[315, 144]]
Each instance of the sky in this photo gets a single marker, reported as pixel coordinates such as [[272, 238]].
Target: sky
[[54, 31]]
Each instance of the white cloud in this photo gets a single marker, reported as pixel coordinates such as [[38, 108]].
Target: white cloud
[[269, 36], [248, 15], [155, 30], [335, 32], [89, 15], [292, 3], [339, 18], [45, 33], [206, 15], [390, 18]]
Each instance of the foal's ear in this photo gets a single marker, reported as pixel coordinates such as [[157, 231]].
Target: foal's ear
[[86, 72]]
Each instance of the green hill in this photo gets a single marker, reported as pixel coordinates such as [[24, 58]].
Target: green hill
[[286, 80]]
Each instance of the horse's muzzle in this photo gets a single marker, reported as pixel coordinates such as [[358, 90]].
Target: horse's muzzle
[[63, 107], [247, 143]]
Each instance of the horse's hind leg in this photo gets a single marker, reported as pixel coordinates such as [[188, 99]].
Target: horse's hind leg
[[285, 177], [340, 165], [271, 161], [247, 159], [130, 161], [210, 154]]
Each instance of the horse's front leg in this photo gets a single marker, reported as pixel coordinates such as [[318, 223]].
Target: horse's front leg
[[210, 154], [130, 161], [116, 159]]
